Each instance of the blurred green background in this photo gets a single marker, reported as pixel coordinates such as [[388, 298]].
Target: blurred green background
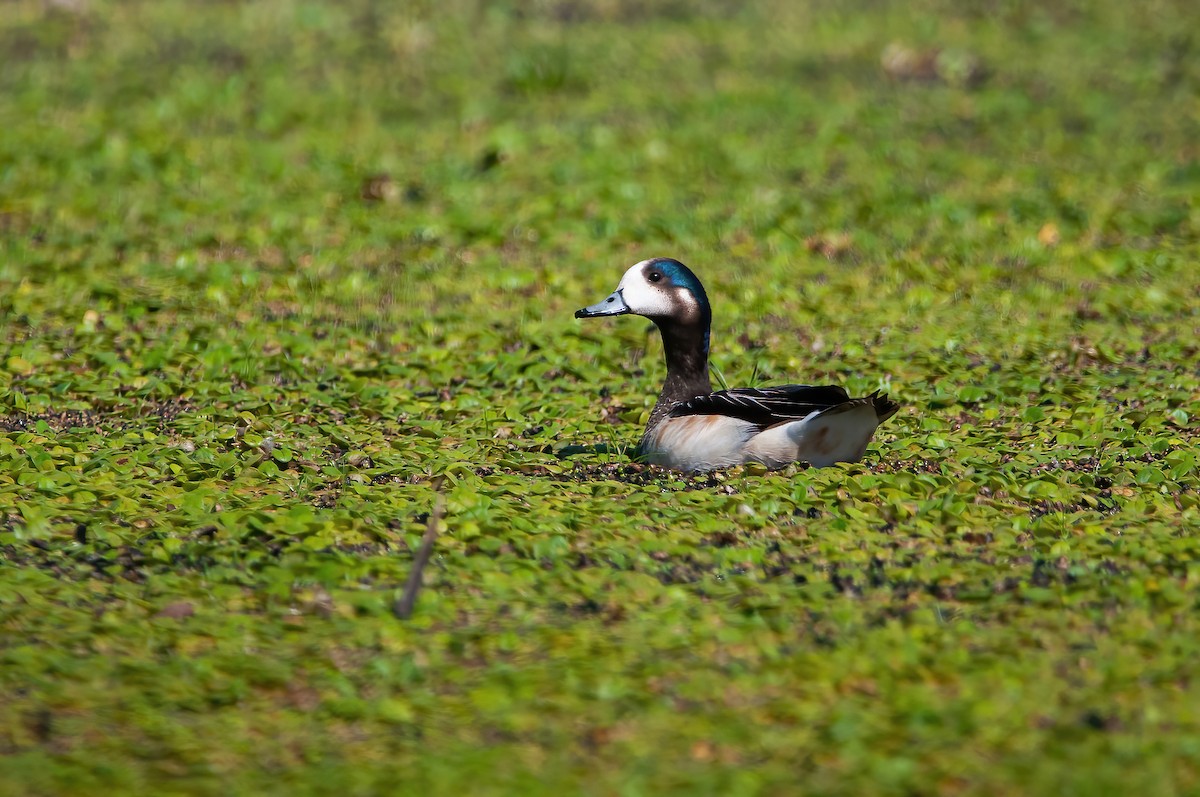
[[269, 268]]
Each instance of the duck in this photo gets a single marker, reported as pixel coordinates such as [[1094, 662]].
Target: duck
[[694, 429]]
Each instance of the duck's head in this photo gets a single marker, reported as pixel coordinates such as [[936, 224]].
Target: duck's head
[[661, 289]]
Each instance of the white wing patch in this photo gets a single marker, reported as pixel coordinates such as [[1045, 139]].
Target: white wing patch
[[821, 439]]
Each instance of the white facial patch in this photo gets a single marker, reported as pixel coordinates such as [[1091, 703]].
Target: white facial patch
[[655, 300]]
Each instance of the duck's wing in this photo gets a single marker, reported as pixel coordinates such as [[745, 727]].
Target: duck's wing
[[765, 407]]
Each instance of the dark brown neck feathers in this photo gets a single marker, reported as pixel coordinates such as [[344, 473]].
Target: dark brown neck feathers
[[686, 347]]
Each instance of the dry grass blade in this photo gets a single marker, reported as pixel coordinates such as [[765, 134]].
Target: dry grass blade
[[403, 607]]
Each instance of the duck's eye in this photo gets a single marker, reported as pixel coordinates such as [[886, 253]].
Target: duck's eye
[[654, 276]]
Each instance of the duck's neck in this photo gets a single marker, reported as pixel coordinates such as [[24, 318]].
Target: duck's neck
[[686, 347]]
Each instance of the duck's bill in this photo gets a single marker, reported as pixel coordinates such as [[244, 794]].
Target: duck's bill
[[613, 305]]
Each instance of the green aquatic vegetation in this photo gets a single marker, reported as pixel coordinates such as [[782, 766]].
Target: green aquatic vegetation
[[268, 272]]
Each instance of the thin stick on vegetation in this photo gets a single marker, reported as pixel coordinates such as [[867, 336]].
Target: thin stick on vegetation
[[403, 607]]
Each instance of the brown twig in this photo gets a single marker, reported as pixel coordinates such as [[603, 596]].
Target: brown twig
[[403, 607]]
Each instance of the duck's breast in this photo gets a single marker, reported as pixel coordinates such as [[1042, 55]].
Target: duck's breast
[[697, 442]]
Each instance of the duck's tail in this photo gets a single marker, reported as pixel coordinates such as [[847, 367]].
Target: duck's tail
[[884, 406]]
